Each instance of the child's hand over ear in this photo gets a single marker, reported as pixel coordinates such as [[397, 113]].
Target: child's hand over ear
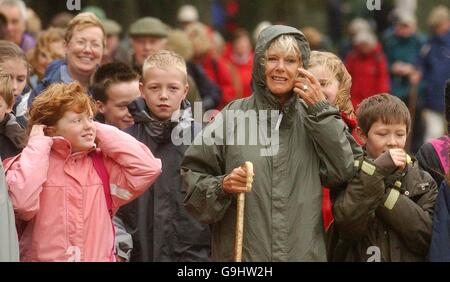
[[399, 157], [37, 130]]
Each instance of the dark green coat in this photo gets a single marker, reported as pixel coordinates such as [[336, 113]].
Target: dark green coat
[[368, 230], [283, 219]]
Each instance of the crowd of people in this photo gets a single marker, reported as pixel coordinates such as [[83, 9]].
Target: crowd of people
[[106, 155]]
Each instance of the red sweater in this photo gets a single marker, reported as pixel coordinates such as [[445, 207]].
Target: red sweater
[[370, 74]]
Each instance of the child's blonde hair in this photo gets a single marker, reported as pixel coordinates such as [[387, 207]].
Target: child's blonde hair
[[10, 51], [6, 90], [179, 42], [164, 59], [45, 39], [338, 71], [51, 105]]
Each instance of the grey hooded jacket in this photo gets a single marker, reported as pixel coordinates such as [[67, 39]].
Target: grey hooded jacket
[[9, 244]]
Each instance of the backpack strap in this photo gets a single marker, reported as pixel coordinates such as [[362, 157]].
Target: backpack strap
[[441, 146], [100, 168]]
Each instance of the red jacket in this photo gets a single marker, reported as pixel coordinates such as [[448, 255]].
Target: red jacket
[[370, 74], [216, 69], [244, 69]]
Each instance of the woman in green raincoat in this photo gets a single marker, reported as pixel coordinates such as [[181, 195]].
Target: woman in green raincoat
[[297, 143]]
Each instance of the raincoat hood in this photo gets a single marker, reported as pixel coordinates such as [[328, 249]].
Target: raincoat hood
[[265, 38]]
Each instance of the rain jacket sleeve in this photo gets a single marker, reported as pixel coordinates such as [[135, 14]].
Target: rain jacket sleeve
[[131, 166], [331, 140], [24, 180], [411, 217], [9, 245], [355, 207], [203, 172]]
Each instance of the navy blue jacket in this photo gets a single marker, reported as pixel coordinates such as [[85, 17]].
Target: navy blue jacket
[[440, 238], [56, 72], [435, 66]]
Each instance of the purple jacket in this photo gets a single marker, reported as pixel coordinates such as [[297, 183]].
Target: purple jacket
[[28, 42]]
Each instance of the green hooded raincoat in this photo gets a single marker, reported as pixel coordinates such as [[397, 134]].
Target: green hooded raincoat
[[282, 218]]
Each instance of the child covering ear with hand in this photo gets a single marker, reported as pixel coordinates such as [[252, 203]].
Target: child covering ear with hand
[[56, 191]]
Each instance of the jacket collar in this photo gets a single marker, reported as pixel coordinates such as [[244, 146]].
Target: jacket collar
[[441, 39], [53, 73], [161, 131], [64, 74], [63, 148]]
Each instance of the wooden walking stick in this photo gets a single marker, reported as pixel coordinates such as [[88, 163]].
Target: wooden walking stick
[[248, 166]]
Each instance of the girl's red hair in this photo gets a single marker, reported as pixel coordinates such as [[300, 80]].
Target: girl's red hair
[[51, 105]]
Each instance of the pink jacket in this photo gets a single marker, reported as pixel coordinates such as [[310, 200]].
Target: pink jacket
[[60, 199]]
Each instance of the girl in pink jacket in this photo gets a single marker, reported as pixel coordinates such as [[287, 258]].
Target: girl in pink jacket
[[59, 196]]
